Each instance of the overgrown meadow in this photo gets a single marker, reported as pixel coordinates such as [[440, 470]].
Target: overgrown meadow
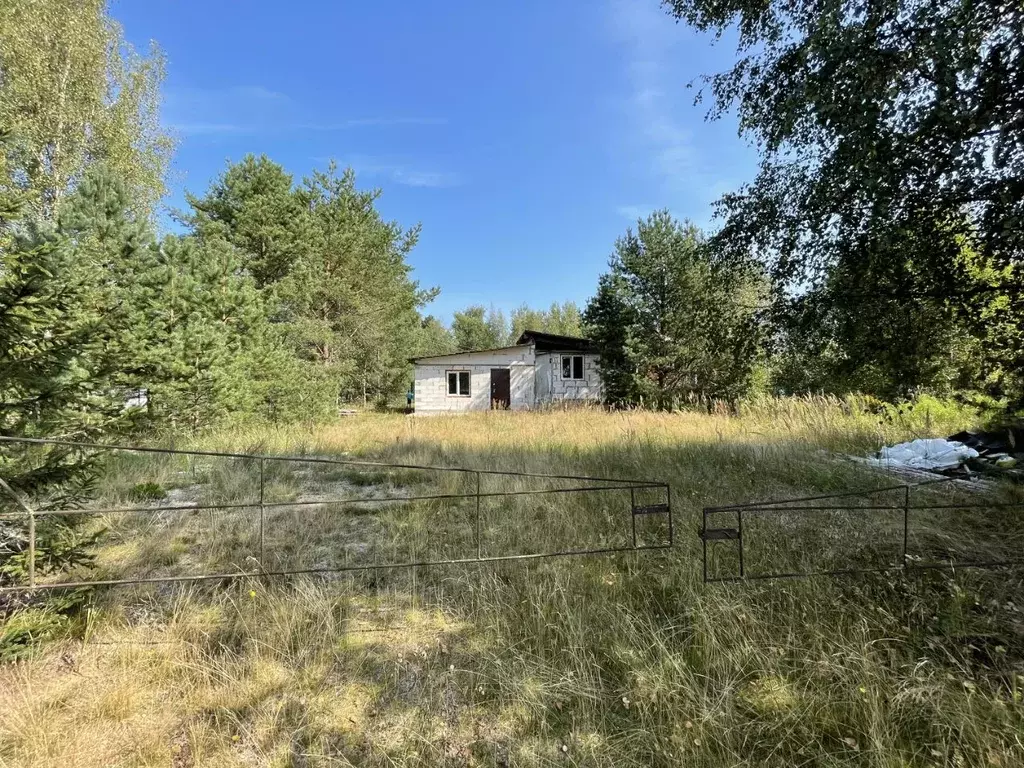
[[615, 660]]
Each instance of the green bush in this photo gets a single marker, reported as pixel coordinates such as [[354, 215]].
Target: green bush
[[146, 492], [23, 631]]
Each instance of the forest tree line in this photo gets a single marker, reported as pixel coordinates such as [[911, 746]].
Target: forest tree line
[[879, 247], [279, 298]]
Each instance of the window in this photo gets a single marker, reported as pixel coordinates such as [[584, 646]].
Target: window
[[458, 383], [572, 366]]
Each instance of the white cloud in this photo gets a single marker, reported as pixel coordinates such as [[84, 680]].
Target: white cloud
[[406, 174], [634, 212], [186, 98], [414, 178], [657, 108], [256, 109], [650, 43], [376, 122], [208, 129], [243, 109], [257, 93], [678, 167]]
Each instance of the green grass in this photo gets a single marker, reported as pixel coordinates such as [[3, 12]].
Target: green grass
[[616, 660]]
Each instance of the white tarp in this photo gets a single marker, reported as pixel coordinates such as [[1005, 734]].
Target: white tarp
[[933, 453]]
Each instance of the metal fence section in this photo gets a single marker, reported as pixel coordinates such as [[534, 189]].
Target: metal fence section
[[872, 531], [646, 499]]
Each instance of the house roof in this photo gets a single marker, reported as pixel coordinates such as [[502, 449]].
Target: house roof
[[462, 352], [545, 342], [552, 341]]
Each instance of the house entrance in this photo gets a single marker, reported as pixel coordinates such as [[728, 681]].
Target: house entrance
[[500, 388]]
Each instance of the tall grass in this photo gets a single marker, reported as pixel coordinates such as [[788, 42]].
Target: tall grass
[[615, 660]]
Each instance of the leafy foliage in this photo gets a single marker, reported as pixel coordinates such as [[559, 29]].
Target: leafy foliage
[[563, 319], [473, 329], [673, 321], [74, 92], [332, 275], [891, 146], [433, 338], [852, 334], [479, 328]]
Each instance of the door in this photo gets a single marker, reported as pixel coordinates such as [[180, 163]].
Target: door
[[501, 388]]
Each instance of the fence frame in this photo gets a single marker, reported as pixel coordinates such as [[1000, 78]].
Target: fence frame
[[595, 484], [907, 563]]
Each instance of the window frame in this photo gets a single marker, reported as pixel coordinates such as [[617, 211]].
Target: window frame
[[458, 374], [572, 367]]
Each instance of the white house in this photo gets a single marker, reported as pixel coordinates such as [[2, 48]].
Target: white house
[[539, 369]]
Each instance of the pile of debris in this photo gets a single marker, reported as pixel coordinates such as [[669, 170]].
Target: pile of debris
[[999, 448], [965, 454]]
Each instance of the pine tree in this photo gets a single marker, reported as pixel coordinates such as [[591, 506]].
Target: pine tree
[[333, 275], [254, 206], [98, 218], [53, 379], [607, 321], [208, 314], [674, 318], [53, 370], [349, 303]]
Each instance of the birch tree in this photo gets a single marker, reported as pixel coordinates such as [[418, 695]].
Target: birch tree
[[73, 91]]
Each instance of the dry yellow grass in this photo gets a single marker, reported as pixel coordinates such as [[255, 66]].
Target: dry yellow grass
[[613, 660]]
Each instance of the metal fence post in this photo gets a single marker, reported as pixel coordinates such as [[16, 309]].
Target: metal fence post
[[31, 549], [739, 536], [704, 542], [668, 501], [479, 544], [906, 522], [263, 514], [632, 511]]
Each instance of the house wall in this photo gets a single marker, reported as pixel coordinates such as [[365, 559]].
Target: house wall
[[431, 382], [552, 388]]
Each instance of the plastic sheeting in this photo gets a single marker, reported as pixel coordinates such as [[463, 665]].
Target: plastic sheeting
[[933, 453]]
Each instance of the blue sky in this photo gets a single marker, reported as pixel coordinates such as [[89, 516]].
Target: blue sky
[[525, 137]]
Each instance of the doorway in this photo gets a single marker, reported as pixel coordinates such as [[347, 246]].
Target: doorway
[[500, 388]]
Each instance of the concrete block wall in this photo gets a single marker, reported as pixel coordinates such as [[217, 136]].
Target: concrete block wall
[[559, 389], [431, 382]]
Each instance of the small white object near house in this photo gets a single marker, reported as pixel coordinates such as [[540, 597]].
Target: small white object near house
[[138, 398], [538, 370]]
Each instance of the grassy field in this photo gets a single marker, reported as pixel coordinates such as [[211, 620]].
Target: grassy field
[[611, 660]]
